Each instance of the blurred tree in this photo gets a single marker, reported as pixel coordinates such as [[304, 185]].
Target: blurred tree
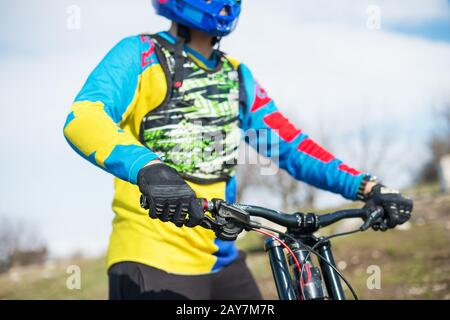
[[255, 174], [438, 146], [370, 150], [20, 244]]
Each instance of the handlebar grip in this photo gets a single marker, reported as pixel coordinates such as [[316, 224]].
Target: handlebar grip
[[330, 218], [203, 203]]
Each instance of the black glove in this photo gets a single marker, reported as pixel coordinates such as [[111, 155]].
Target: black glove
[[168, 197], [397, 208]]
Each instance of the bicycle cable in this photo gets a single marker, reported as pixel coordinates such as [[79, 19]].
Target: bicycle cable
[[314, 247], [297, 263], [317, 254]]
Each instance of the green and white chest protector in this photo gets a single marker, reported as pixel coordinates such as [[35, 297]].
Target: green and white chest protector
[[196, 128]]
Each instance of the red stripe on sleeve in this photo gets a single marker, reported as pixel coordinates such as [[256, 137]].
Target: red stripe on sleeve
[[314, 150], [345, 168], [286, 130], [261, 98]]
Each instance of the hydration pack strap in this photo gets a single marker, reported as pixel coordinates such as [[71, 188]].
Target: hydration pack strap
[[177, 51], [179, 64]]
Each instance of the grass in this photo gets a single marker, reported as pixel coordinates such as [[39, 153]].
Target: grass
[[49, 281], [414, 261]]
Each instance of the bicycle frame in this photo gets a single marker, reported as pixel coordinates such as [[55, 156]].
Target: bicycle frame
[[287, 278]]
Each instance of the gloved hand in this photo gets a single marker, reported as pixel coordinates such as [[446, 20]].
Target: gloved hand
[[168, 197], [397, 208]]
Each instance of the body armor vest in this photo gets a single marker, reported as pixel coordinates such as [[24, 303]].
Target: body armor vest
[[196, 128]]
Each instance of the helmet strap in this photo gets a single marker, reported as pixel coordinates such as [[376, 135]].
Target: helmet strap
[[216, 41], [183, 37], [184, 32]]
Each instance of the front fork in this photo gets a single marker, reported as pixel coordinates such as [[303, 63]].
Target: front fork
[[330, 276], [288, 282], [280, 270]]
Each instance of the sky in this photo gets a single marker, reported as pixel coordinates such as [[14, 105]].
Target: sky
[[332, 66]]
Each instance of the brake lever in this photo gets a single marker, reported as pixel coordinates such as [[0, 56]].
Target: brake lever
[[234, 214], [227, 220], [210, 223], [373, 218]]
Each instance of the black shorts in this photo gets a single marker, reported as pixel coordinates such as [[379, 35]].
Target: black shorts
[[135, 281]]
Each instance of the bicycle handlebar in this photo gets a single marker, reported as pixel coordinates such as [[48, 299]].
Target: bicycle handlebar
[[282, 219], [234, 216]]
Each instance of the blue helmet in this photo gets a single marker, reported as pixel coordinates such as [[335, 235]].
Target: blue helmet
[[203, 15]]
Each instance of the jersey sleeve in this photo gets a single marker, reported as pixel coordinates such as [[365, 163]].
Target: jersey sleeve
[[93, 126], [268, 131]]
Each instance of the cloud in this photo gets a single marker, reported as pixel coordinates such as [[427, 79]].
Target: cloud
[[316, 58], [355, 11]]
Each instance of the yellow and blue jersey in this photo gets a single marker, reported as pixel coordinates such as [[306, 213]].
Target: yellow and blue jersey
[[104, 126]]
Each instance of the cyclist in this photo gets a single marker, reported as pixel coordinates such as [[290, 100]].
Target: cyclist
[[163, 113]]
